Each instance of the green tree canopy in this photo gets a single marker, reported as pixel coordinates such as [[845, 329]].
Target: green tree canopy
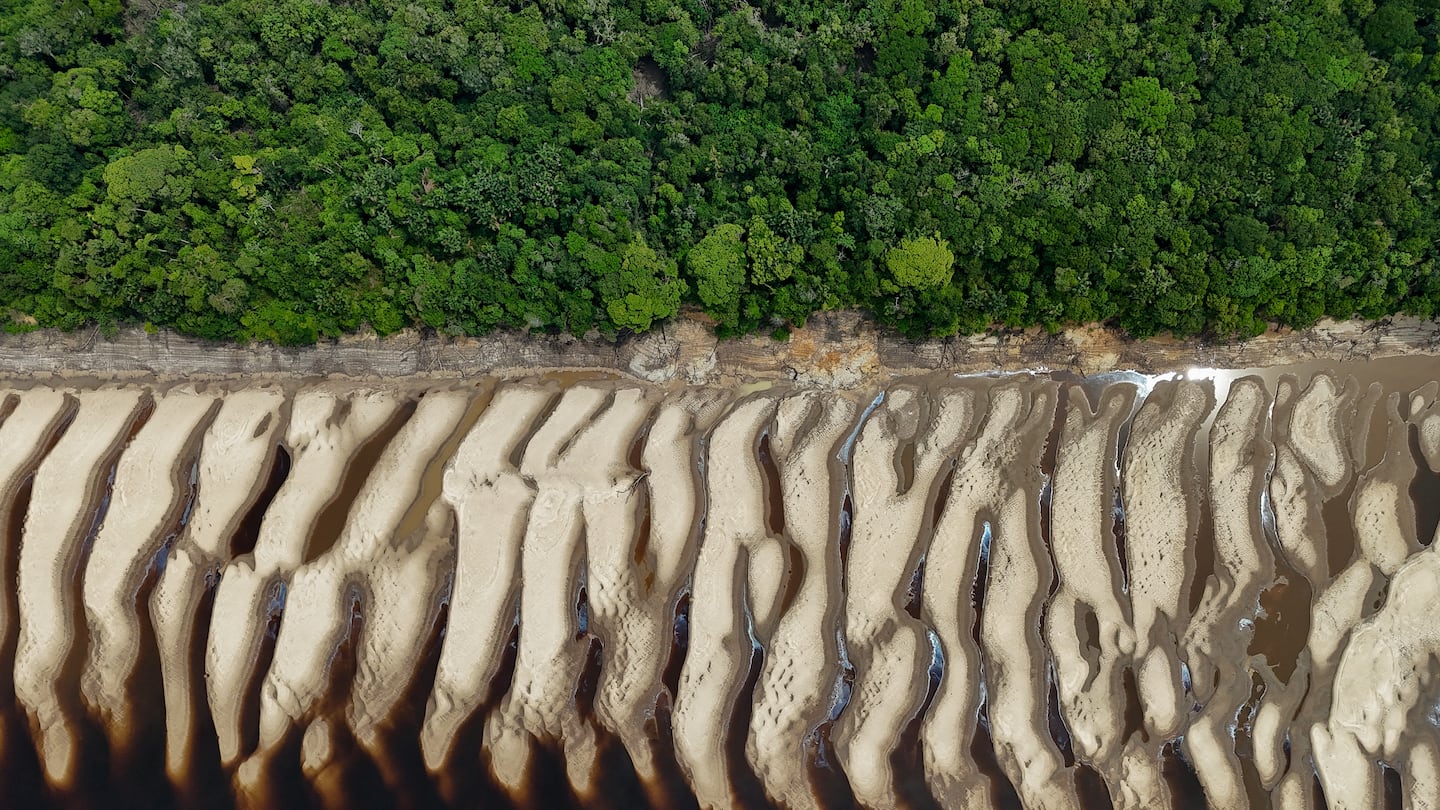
[[717, 264], [646, 289], [920, 264], [160, 173], [295, 171]]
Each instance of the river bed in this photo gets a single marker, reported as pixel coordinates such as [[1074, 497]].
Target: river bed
[[1041, 589]]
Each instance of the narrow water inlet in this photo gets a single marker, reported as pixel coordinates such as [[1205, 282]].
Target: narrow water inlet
[[617, 499]]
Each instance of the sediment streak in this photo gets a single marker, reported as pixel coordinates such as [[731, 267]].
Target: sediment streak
[[951, 590]]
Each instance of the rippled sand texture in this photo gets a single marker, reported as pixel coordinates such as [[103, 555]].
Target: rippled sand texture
[[1018, 590]]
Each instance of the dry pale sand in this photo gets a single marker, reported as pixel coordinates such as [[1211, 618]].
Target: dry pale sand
[[405, 583], [1159, 495], [325, 592], [1218, 634], [997, 492], [236, 450], [1425, 414], [326, 429], [1295, 501], [551, 652], [611, 493], [406, 578], [1383, 524], [720, 612], [1088, 667], [1313, 424], [38, 413], [799, 627], [33, 416], [634, 538], [1381, 513], [1384, 692], [153, 485], [68, 487], [1383, 536], [887, 647], [576, 515], [491, 502], [672, 459], [1315, 433], [637, 622], [1338, 608]]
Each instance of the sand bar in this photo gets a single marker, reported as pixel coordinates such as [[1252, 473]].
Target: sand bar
[[69, 486]]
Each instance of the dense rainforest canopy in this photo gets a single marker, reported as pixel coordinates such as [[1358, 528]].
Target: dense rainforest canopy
[[291, 169]]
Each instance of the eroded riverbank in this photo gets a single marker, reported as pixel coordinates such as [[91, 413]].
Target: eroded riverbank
[[836, 350]]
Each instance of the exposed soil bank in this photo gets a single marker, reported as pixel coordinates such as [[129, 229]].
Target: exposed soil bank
[[836, 350]]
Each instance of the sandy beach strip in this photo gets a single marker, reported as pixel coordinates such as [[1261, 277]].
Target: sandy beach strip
[[324, 592], [405, 583], [1082, 515], [1312, 425], [719, 656], [1216, 636], [890, 537], [1384, 675], [1382, 515], [551, 651], [237, 448], [612, 494], [326, 429], [1162, 516], [491, 503], [801, 665], [1004, 468], [24, 438], [151, 487], [68, 487]]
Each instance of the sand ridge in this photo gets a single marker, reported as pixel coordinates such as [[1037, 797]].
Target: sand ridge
[[325, 430], [75, 473], [315, 623], [491, 502], [721, 636], [887, 647], [151, 489], [798, 626], [1159, 492], [996, 498], [1030, 589], [1221, 628], [239, 443], [1088, 626]]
